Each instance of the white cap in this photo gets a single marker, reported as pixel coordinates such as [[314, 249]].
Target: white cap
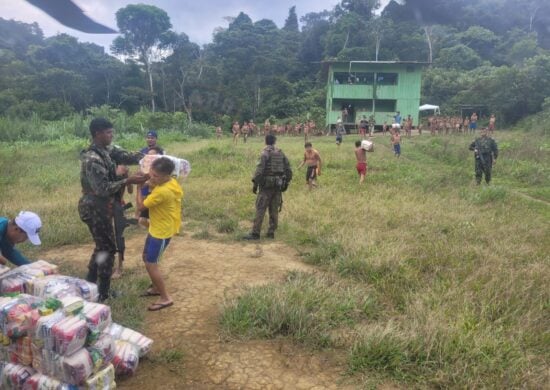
[[30, 223]]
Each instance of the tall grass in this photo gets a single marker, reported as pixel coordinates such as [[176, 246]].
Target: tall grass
[[424, 278], [35, 129], [306, 307]]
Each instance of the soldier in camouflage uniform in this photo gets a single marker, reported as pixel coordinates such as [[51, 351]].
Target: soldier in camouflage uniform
[[486, 153], [272, 176], [100, 183]]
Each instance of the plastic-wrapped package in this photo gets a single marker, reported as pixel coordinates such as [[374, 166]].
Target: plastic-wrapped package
[[103, 380], [77, 367], [142, 342], [41, 268], [14, 376], [4, 269], [42, 334], [98, 316], [18, 320], [126, 358], [69, 335], [37, 358], [59, 286], [43, 382], [20, 279], [16, 314], [50, 363], [4, 354], [72, 305], [182, 167], [20, 351], [102, 351]]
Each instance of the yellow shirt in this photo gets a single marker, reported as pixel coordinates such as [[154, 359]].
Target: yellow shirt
[[164, 204]]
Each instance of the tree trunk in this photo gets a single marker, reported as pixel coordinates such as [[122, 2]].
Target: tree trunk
[[164, 100], [428, 32], [150, 79], [108, 87], [181, 94], [346, 42]]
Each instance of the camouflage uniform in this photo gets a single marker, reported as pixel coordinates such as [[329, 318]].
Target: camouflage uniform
[[486, 151], [273, 173], [100, 185]]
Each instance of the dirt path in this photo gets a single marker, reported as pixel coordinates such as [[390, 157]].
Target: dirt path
[[200, 274]]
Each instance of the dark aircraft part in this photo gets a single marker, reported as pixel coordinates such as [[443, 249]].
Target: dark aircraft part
[[69, 14]]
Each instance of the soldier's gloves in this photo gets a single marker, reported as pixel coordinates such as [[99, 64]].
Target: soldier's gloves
[[255, 189]]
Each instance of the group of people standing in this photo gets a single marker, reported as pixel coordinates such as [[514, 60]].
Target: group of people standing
[[103, 175], [457, 124], [249, 129]]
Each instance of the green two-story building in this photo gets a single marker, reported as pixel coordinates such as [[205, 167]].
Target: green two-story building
[[379, 88]]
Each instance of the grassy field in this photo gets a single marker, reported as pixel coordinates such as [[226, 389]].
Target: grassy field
[[424, 279]]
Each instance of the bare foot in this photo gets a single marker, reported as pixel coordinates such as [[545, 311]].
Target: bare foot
[[117, 274]]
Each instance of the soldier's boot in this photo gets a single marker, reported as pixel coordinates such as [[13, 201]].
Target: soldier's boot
[[92, 270], [251, 236], [103, 287], [270, 235]]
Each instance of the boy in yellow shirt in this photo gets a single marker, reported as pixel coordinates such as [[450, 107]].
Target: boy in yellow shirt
[[164, 205]]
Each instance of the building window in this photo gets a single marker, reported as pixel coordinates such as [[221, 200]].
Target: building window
[[360, 78], [385, 105], [386, 78]]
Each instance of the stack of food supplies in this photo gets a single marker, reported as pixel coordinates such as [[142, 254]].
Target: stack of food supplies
[[57, 339], [59, 286], [20, 279]]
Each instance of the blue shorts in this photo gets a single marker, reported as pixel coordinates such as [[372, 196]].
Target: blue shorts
[[473, 125], [154, 248], [397, 149]]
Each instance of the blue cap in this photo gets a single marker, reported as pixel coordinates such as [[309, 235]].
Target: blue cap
[[152, 133]]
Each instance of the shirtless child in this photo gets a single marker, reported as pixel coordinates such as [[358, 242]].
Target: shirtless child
[[361, 156], [396, 142], [312, 159], [244, 131], [235, 129]]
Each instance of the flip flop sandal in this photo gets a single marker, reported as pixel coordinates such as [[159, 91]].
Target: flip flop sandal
[[159, 306]]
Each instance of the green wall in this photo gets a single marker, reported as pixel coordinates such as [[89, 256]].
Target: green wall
[[406, 92]]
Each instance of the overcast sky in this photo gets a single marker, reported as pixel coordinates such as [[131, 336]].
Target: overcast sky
[[197, 18]]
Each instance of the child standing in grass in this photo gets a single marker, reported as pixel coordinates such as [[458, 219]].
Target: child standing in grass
[[312, 159], [396, 142], [164, 205], [361, 157]]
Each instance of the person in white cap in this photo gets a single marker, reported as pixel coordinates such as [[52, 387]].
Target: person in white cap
[[25, 226]]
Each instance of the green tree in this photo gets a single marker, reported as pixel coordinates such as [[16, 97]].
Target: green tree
[[458, 57], [145, 33], [291, 22], [480, 39]]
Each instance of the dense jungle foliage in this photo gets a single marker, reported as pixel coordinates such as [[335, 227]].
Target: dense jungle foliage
[[488, 52]]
